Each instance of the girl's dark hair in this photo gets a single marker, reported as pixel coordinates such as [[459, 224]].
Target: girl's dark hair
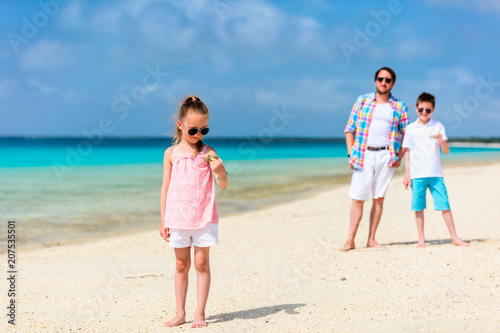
[[194, 104], [390, 72], [426, 97]]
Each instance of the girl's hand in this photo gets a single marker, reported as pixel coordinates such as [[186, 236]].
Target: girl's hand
[[165, 233], [439, 137], [217, 168]]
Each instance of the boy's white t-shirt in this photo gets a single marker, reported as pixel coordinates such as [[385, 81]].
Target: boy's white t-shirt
[[425, 154]]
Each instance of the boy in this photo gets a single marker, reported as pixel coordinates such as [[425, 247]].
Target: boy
[[422, 141]]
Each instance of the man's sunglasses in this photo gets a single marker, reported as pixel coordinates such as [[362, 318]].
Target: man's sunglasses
[[194, 130], [420, 110], [381, 79]]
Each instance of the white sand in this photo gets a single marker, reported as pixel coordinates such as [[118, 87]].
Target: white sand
[[279, 270]]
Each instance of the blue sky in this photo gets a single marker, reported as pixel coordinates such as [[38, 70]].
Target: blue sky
[[264, 68]]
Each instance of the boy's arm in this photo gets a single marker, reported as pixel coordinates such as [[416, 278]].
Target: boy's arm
[[407, 179], [444, 144]]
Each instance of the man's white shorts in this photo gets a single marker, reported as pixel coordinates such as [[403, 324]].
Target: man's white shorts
[[374, 178], [204, 237]]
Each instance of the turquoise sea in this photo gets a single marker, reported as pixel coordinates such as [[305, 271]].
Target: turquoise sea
[[68, 189]]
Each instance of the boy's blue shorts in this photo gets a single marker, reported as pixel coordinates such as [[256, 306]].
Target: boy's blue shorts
[[438, 190]]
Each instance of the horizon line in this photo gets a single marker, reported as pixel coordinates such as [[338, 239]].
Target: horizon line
[[230, 138]]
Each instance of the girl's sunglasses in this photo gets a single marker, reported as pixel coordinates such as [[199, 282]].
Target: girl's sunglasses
[[420, 110], [381, 79], [194, 130]]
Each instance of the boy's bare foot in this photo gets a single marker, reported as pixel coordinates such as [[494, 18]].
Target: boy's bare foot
[[199, 322], [176, 321], [459, 242], [421, 243], [347, 246], [373, 244]]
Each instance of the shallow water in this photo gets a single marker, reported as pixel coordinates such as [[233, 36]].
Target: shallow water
[[116, 187]]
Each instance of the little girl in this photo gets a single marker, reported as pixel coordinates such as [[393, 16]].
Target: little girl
[[188, 211]]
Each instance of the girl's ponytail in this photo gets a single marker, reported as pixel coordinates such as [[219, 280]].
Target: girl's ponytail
[[191, 103]]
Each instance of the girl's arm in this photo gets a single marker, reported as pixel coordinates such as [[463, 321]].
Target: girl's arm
[[218, 169], [167, 169]]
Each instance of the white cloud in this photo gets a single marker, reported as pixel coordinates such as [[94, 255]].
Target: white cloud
[[492, 109], [75, 96], [308, 94], [71, 15], [413, 48], [107, 20], [174, 89], [247, 27], [488, 5], [483, 6], [166, 31], [259, 23], [135, 8], [453, 76], [48, 55], [44, 88], [6, 88]]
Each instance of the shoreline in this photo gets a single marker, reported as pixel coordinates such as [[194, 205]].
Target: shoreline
[[283, 199], [341, 181], [474, 144]]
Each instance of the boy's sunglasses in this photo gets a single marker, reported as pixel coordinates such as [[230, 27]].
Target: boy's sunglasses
[[381, 79], [194, 130], [420, 110]]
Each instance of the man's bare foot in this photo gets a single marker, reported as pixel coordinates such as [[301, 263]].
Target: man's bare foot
[[373, 244], [459, 242], [199, 322], [421, 243], [176, 321], [347, 246]]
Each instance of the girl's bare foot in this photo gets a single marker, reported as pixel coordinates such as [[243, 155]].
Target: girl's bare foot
[[176, 321], [347, 246], [199, 322], [421, 243], [459, 242]]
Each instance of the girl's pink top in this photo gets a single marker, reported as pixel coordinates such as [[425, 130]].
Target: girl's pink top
[[191, 193]]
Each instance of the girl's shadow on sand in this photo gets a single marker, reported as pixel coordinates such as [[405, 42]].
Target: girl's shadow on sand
[[255, 313]]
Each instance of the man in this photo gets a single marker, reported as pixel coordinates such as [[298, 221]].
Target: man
[[373, 134]]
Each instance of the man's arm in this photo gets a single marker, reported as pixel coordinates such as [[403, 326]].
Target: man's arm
[[349, 141], [403, 123]]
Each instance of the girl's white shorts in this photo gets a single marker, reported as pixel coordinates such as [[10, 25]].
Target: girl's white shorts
[[374, 178], [204, 237]]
